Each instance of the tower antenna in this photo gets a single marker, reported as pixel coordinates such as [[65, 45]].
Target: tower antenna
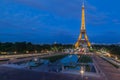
[[83, 3]]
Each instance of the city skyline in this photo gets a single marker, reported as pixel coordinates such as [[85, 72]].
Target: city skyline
[[44, 21]]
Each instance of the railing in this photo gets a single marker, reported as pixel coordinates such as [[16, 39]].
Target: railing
[[111, 61]]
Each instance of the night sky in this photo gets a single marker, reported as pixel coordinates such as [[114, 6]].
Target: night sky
[[49, 21]]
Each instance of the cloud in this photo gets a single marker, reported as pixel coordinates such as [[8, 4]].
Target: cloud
[[97, 19], [60, 7], [112, 32], [68, 9], [116, 21]]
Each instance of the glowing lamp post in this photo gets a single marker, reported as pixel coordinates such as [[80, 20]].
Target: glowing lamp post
[[82, 72], [15, 52], [35, 59], [35, 51], [27, 51], [116, 58]]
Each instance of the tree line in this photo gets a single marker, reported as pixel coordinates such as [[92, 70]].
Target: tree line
[[113, 49], [22, 47]]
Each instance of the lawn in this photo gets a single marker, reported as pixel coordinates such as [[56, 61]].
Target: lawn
[[85, 59]]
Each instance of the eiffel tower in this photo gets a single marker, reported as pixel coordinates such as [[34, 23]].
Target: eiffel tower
[[83, 38]]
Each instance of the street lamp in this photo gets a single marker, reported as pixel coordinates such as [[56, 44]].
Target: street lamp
[[116, 58], [82, 72], [35, 51], [35, 59], [15, 52], [27, 51]]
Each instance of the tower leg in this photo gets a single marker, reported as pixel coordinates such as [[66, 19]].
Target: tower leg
[[86, 38]]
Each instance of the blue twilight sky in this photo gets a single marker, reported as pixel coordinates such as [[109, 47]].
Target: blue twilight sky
[[49, 21]]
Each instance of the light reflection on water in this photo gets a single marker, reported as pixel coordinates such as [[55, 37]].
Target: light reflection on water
[[69, 59], [69, 62]]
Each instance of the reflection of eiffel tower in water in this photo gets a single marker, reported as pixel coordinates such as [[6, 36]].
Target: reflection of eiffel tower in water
[[83, 38]]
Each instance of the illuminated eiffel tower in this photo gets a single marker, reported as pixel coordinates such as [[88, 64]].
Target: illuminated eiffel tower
[[83, 38]]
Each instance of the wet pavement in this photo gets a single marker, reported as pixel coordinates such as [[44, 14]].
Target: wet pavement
[[7, 73], [109, 71]]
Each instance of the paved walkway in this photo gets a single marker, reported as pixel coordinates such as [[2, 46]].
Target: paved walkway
[[7, 73], [17, 74], [110, 72], [85, 74], [14, 59]]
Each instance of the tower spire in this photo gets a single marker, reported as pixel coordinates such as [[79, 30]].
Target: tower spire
[[83, 4], [83, 17]]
